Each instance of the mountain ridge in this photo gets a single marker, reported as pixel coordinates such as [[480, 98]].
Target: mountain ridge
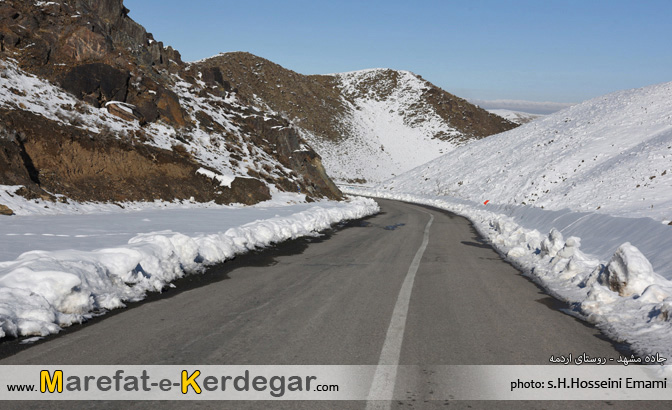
[[333, 113]]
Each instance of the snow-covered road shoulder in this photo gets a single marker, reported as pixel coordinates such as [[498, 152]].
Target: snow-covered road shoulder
[[42, 291], [606, 280]]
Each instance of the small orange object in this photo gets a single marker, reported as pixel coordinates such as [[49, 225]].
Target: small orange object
[[486, 202]]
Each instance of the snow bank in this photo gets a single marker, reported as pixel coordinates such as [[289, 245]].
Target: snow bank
[[621, 293], [44, 290]]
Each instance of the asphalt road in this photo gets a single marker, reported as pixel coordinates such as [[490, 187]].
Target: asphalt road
[[331, 301]]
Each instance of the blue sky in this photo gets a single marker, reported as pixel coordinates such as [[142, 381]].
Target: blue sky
[[542, 50]]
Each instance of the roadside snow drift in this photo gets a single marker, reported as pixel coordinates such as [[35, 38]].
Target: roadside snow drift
[[41, 291], [580, 201]]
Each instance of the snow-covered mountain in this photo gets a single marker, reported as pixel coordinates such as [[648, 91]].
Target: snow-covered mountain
[[611, 155], [366, 125]]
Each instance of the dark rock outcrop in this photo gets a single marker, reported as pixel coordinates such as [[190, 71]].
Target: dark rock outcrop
[[294, 154], [85, 45], [249, 191], [314, 101], [97, 83]]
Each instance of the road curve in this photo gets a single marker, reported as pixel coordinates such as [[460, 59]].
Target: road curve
[[331, 300]]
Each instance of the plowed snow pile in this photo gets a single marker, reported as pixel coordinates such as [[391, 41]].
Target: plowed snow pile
[[88, 264]]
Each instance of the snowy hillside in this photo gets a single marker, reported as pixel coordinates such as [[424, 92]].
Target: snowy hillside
[[580, 201], [115, 116], [391, 126], [609, 155], [389, 131]]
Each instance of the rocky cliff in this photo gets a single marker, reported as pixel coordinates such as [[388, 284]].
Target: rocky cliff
[[92, 108]]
